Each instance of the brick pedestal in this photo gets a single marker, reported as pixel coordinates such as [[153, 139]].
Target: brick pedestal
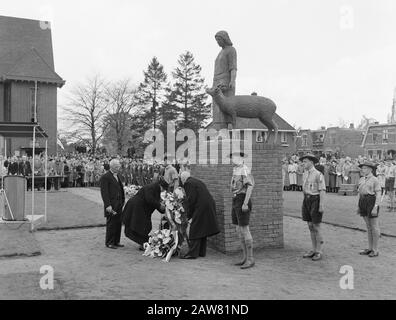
[[266, 221]]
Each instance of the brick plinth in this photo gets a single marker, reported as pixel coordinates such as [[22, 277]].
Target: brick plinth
[[266, 223]]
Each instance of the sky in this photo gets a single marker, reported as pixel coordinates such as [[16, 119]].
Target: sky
[[322, 62]]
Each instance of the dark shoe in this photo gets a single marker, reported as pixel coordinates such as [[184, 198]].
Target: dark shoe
[[141, 248], [119, 245], [365, 252], [248, 264], [111, 246], [373, 254], [241, 263], [309, 255], [317, 256], [188, 257]]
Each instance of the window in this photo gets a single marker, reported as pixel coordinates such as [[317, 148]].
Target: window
[[304, 140], [375, 138], [385, 136], [32, 102], [370, 154], [283, 137], [261, 136], [379, 154]]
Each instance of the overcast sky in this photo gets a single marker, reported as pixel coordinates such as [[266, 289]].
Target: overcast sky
[[320, 61]]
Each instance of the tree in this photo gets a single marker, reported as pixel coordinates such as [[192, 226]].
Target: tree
[[168, 110], [189, 93], [121, 102], [150, 91], [365, 123], [86, 110]]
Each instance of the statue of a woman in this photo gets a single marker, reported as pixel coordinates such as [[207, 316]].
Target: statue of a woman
[[224, 75]]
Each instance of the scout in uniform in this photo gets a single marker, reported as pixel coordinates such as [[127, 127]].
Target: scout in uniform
[[242, 184], [368, 206], [314, 189]]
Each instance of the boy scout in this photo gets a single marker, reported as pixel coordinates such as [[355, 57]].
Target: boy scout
[[314, 189], [242, 184], [368, 207]]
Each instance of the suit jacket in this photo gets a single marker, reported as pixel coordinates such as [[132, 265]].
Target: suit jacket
[[25, 168], [201, 209], [13, 168], [112, 192]]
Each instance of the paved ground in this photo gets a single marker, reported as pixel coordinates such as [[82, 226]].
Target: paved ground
[[341, 210], [74, 207], [84, 269]]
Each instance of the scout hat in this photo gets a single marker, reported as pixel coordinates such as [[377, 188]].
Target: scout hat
[[311, 157], [368, 164]]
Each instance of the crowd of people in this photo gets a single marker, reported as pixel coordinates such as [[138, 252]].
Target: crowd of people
[[82, 170], [337, 172]]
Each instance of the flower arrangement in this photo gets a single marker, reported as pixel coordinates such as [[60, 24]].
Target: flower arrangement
[[164, 243], [175, 212], [131, 191]]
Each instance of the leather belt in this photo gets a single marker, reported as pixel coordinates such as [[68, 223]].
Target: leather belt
[[311, 195]]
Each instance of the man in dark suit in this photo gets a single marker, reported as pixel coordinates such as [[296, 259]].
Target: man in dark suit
[[113, 196], [25, 169], [202, 214]]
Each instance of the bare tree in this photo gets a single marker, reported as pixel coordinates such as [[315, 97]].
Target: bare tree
[[86, 110], [365, 122], [122, 107]]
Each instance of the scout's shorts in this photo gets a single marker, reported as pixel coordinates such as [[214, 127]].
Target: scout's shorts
[[390, 184], [240, 218], [366, 205], [310, 209]]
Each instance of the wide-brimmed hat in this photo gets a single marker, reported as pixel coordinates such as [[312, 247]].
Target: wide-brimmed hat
[[239, 154], [311, 157], [368, 164]]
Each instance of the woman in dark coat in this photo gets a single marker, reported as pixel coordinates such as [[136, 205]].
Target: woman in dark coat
[[202, 213], [138, 210], [333, 176]]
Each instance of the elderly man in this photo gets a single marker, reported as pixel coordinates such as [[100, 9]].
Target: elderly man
[[171, 175], [113, 196], [314, 189], [202, 214]]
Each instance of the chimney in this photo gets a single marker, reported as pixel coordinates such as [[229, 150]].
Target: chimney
[[323, 128], [351, 126]]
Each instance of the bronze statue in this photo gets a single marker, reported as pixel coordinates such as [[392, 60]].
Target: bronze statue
[[251, 106], [224, 75]]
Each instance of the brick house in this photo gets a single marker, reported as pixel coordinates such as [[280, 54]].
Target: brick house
[[27, 75], [331, 141], [380, 140], [310, 141], [286, 134]]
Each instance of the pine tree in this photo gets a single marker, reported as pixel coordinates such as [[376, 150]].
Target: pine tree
[[168, 111], [189, 93], [150, 91]]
